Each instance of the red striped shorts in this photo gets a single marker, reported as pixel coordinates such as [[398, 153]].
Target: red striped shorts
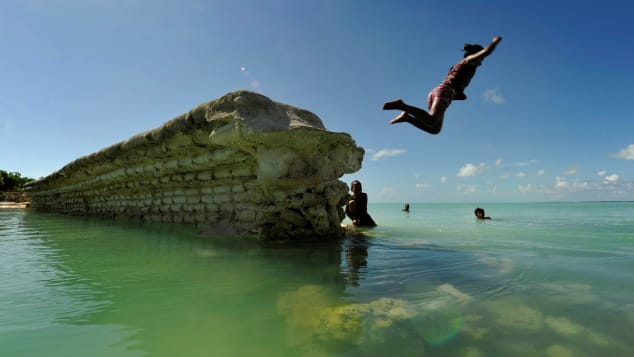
[[441, 92]]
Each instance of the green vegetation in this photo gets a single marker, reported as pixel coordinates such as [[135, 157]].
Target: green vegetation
[[12, 181]]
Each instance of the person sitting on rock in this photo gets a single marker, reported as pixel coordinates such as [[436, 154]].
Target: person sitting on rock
[[357, 207]]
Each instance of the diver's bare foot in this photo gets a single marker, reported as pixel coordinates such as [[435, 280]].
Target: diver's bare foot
[[395, 104], [403, 117]]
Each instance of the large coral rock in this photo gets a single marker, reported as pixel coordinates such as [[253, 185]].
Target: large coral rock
[[238, 165]]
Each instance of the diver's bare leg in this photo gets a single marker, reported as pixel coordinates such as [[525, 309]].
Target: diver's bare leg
[[400, 105], [428, 122]]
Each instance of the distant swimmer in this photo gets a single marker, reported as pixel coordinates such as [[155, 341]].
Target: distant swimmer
[[452, 88], [406, 208], [479, 213]]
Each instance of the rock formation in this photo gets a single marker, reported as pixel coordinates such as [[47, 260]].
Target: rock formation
[[238, 165]]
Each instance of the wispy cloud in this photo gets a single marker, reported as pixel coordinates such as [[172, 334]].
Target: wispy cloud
[[466, 189], [493, 96], [470, 170], [521, 174], [516, 164], [541, 172], [610, 186], [423, 185], [561, 183], [627, 153], [525, 188], [571, 171], [443, 179], [383, 153]]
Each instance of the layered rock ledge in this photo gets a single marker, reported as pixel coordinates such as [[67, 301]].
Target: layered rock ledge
[[238, 165]]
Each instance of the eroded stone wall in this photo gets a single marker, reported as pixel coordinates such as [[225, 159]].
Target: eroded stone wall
[[238, 165]]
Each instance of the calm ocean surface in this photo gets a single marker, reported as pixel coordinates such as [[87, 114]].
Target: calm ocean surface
[[540, 279]]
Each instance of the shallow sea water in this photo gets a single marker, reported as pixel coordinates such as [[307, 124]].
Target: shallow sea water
[[539, 279]]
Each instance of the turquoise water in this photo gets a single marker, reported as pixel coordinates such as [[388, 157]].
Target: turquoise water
[[551, 279]]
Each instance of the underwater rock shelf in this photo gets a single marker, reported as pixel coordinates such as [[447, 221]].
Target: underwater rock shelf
[[238, 165]]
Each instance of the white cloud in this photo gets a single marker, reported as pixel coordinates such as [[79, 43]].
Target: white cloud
[[385, 194], [602, 173], [383, 153], [423, 185], [521, 174], [525, 188], [627, 153], [560, 182], [571, 171], [520, 164], [541, 172], [611, 178], [470, 170], [492, 96], [443, 179], [466, 189], [498, 162]]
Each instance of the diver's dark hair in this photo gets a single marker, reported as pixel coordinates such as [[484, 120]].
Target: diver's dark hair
[[470, 49], [355, 182]]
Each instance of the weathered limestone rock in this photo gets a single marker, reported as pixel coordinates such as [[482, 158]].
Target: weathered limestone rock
[[238, 165]]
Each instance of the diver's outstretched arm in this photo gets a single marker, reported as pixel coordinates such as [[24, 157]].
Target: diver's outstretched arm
[[480, 55]]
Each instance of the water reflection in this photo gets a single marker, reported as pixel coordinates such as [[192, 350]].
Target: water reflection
[[172, 291], [356, 250]]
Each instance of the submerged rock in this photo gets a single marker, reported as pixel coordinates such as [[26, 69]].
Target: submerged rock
[[238, 165], [313, 315]]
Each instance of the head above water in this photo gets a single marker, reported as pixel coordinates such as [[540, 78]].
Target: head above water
[[470, 49], [479, 213]]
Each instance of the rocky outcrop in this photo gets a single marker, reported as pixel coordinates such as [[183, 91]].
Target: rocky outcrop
[[238, 165]]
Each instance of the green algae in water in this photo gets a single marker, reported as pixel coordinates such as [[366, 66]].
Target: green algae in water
[[539, 279]]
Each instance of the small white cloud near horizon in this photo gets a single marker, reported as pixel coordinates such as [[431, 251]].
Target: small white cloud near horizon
[[467, 189], [525, 188], [423, 185], [521, 174], [571, 171], [611, 178], [541, 172], [520, 164], [601, 173], [492, 96], [627, 153], [470, 170], [443, 179], [560, 182], [383, 153], [498, 162]]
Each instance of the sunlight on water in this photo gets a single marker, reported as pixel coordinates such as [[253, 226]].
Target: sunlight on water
[[538, 279]]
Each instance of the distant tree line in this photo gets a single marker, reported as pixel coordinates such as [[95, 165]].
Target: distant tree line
[[12, 181]]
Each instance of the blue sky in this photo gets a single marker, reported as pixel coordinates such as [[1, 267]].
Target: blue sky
[[548, 115]]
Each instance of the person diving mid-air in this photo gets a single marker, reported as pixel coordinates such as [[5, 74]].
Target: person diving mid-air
[[452, 88]]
